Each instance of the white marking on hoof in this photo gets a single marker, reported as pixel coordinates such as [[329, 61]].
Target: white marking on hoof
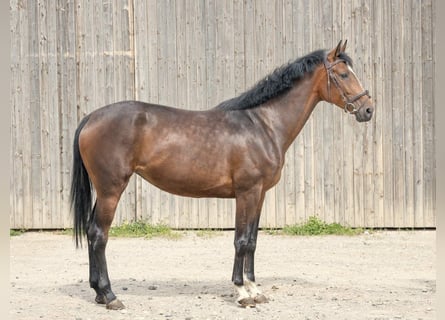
[[242, 293], [255, 293]]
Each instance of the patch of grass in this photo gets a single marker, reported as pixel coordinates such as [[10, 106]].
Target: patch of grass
[[16, 232], [140, 229], [314, 227]]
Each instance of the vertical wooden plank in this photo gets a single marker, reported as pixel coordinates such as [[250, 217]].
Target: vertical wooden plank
[[239, 48], [379, 101], [14, 88], [387, 120], [428, 112], [107, 31], [417, 86], [408, 124], [55, 215], [99, 54], [249, 40], [19, 36], [397, 120], [34, 104], [67, 98], [43, 103]]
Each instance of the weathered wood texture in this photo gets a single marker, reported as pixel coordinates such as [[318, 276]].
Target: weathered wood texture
[[69, 57]]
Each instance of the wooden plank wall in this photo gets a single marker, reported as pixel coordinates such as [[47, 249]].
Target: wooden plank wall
[[69, 57]]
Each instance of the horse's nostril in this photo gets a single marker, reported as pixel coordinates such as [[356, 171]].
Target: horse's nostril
[[369, 110]]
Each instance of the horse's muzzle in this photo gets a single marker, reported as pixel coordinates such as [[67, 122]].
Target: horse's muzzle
[[364, 113]]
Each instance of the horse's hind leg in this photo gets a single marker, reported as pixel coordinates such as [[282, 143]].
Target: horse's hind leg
[[97, 234]]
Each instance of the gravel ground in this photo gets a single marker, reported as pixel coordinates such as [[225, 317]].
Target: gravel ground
[[382, 275]]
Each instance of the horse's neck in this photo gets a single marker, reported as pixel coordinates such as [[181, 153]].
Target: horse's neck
[[286, 115]]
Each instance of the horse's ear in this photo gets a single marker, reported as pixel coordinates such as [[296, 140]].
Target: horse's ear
[[343, 49], [333, 54]]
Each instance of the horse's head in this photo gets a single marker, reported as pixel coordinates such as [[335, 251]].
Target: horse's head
[[343, 87]]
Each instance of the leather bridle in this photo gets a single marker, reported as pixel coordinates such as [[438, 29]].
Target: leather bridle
[[349, 105]]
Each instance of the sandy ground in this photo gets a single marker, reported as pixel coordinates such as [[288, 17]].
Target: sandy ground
[[383, 275]]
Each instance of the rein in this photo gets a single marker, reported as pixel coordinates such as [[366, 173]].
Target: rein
[[349, 102]]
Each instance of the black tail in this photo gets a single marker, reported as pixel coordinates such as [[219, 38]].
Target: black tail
[[81, 189]]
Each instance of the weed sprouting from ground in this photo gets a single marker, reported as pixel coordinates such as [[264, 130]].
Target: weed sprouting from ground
[[315, 227], [140, 229], [16, 232]]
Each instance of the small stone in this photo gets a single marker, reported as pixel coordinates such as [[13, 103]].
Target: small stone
[[152, 287]]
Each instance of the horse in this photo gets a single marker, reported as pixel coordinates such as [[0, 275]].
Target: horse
[[234, 150]]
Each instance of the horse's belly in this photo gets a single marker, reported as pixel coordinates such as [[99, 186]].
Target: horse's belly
[[188, 181]]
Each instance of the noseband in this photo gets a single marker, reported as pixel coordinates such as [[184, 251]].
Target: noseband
[[349, 105]]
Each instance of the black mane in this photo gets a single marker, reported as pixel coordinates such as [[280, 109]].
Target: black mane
[[278, 82]]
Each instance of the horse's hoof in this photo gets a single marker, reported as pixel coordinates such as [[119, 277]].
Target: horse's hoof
[[115, 305], [261, 299], [247, 302], [101, 299]]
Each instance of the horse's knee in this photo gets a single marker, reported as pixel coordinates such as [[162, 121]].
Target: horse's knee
[[244, 245], [241, 246]]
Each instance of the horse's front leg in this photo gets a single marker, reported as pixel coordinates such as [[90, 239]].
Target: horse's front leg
[[248, 209]]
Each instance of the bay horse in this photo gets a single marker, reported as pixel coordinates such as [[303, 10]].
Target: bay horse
[[234, 150]]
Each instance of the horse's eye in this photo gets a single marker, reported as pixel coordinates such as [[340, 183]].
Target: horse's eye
[[343, 75]]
